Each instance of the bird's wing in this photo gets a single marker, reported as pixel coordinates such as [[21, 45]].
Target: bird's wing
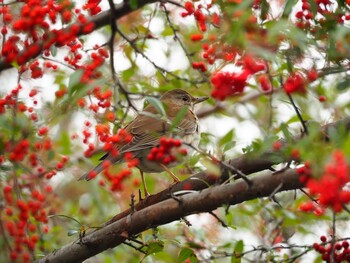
[[188, 124], [147, 128], [146, 131]]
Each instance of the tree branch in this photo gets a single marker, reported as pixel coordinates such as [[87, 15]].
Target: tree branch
[[171, 210]]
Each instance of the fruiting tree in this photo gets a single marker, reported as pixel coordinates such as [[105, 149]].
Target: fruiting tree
[[73, 74]]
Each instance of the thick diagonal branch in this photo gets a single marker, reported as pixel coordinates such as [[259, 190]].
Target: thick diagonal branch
[[171, 210]]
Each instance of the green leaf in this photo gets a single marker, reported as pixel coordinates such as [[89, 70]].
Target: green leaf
[[264, 7], [65, 143], [127, 74], [154, 247], [229, 218], [288, 7], [15, 64], [133, 4], [51, 155], [53, 50], [313, 7], [194, 245], [157, 104], [187, 253], [237, 252], [167, 32], [72, 232], [179, 117], [343, 85], [228, 146], [75, 81], [285, 131], [227, 138], [212, 168]]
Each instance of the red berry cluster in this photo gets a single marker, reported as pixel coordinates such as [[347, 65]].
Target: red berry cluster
[[305, 172], [123, 137], [311, 19], [204, 16], [168, 151], [196, 37], [97, 59], [29, 147], [216, 48], [227, 84], [10, 101], [93, 7], [215, 51], [110, 145], [264, 83], [22, 221], [24, 150], [103, 97], [330, 187], [312, 207], [35, 22], [198, 14], [297, 82], [19, 151], [116, 179], [337, 252]]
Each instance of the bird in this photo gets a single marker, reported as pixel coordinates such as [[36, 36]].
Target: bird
[[147, 129]]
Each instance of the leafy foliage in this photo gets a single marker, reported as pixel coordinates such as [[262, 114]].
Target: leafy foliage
[[276, 73]]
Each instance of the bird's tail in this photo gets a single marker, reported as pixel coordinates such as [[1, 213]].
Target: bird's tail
[[90, 175]]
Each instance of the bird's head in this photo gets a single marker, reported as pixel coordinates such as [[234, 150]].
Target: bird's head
[[181, 97]]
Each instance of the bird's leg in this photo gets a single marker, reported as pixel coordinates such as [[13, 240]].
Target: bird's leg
[[176, 180], [144, 185]]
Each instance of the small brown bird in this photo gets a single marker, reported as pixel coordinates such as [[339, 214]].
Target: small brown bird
[[147, 128]]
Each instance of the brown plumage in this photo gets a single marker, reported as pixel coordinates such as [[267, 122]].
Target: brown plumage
[[147, 128]]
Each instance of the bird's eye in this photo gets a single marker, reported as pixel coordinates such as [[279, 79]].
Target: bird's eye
[[185, 98]]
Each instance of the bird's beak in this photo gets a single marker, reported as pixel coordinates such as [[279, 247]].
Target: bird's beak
[[199, 99]]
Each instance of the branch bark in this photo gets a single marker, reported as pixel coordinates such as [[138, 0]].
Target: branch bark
[[171, 210]]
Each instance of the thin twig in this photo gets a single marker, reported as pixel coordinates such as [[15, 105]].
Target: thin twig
[[161, 69], [135, 247], [307, 194], [2, 231], [333, 236], [111, 40], [297, 111], [237, 172], [152, 15], [178, 39], [273, 194], [116, 81], [219, 219], [132, 203]]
